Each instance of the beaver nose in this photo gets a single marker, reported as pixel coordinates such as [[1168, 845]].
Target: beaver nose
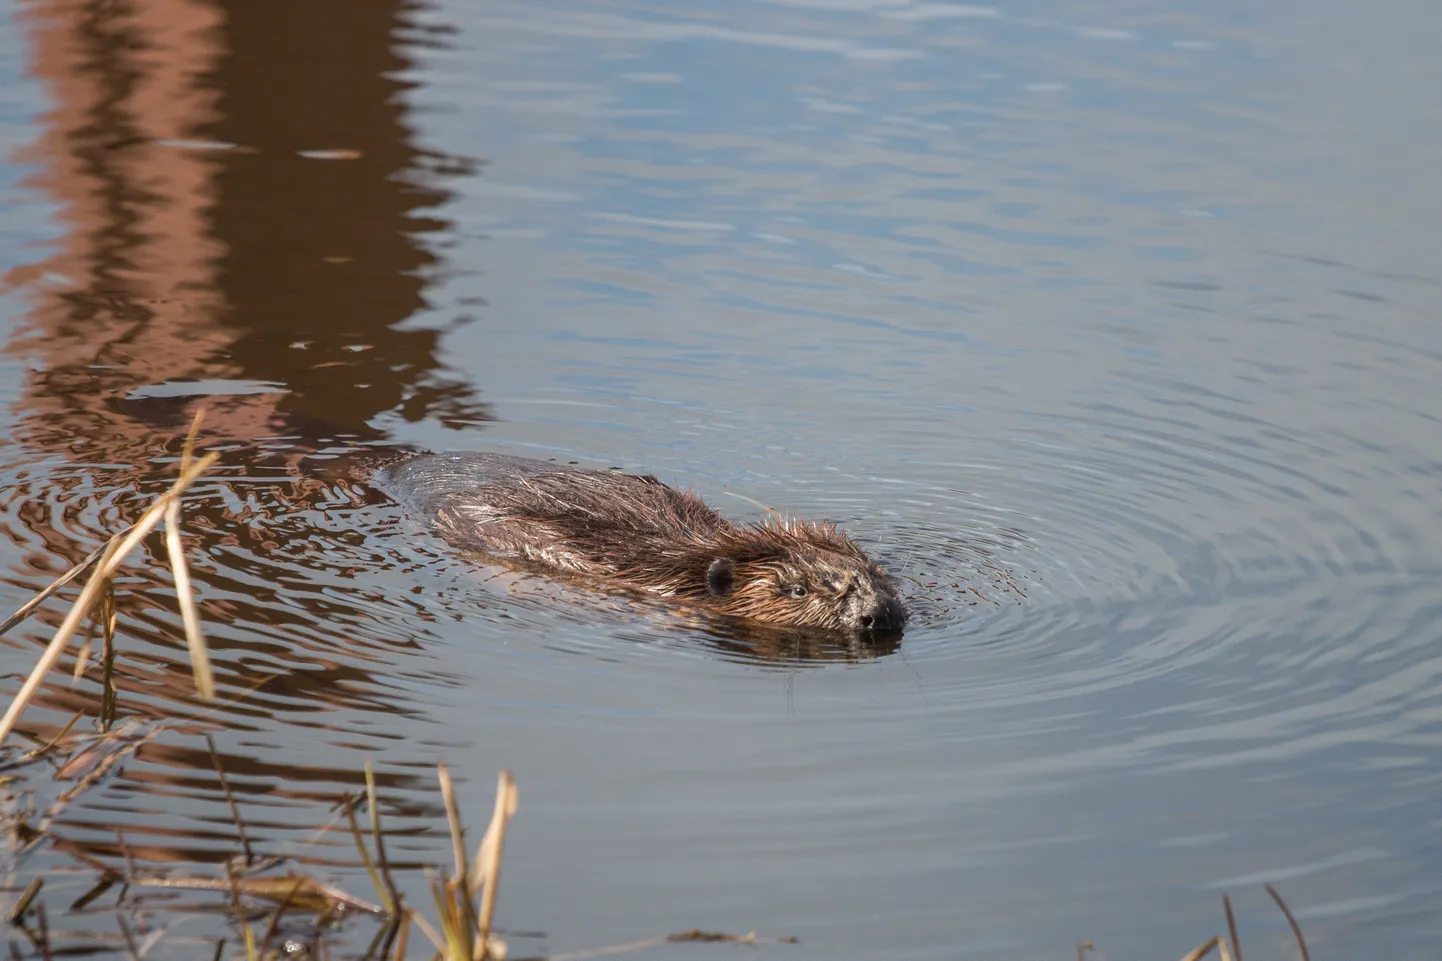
[[887, 615]]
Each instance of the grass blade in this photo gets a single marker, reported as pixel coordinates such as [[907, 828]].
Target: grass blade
[[487, 869], [1232, 928], [114, 553], [245, 932], [23, 905], [194, 636], [1202, 950], [107, 659], [57, 645], [230, 799], [402, 937], [426, 929], [70, 575], [377, 836], [1296, 928], [365, 855], [453, 817]]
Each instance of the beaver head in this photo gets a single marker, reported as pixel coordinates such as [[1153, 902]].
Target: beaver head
[[803, 575]]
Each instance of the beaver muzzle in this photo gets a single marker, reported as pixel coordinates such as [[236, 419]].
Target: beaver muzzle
[[878, 613]]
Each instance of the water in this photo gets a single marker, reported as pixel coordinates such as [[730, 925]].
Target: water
[[1112, 327]]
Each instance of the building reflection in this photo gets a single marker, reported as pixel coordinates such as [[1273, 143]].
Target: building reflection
[[242, 208], [128, 295], [324, 255], [242, 204]]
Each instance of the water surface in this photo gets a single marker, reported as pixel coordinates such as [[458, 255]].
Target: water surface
[[1110, 327]]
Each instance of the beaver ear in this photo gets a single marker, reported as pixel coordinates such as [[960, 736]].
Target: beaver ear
[[719, 576]]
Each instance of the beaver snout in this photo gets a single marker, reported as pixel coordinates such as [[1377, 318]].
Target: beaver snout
[[878, 612], [887, 615]]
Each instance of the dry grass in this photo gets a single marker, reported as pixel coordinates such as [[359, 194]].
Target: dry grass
[[1227, 946], [107, 560]]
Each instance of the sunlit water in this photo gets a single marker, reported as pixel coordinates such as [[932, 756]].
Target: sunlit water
[[1111, 328]]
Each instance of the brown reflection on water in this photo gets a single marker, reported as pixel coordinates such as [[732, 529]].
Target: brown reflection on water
[[325, 256], [129, 295], [241, 201], [240, 205]]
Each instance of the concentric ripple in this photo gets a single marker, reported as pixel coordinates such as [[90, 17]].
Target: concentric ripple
[[1109, 330]]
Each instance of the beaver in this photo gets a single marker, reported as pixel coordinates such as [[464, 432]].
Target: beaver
[[633, 531]]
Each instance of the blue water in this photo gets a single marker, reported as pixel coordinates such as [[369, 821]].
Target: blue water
[[1111, 328]]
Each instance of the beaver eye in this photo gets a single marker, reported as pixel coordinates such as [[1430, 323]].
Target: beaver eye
[[794, 590]]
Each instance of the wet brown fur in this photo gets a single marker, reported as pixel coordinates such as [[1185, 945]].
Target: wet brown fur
[[634, 530]]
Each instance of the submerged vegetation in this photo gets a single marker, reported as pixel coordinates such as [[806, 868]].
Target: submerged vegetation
[[271, 905]]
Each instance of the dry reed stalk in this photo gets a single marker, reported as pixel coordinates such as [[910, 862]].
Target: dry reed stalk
[[90, 766], [180, 570], [114, 553], [1202, 950], [453, 818], [57, 644], [402, 936], [456, 899], [428, 931], [1296, 928], [188, 451], [377, 836], [43, 924], [465, 928], [23, 905], [82, 661], [194, 637], [240, 917], [487, 867], [1232, 927], [106, 881], [107, 659], [45, 749], [274, 925], [298, 890], [381, 941], [455, 929], [29, 607], [230, 799], [385, 895]]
